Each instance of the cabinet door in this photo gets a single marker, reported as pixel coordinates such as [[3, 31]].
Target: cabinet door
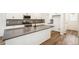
[[14, 16], [35, 15]]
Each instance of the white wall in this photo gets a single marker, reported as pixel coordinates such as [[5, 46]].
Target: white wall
[[62, 24], [56, 20], [78, 24], [2, 23]]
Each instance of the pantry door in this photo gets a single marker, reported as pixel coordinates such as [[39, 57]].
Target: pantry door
[[72, 21]]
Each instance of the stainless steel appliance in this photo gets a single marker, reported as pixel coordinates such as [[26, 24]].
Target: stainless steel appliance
[[26, 21]]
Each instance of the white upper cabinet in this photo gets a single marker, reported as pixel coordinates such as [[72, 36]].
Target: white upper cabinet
[[20, 15], [14, 16], [35, 15]]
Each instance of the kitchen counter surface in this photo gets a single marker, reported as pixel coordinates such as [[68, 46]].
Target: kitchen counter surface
[[16, 32]]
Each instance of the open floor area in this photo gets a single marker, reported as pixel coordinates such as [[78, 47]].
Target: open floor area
[[69, 38]]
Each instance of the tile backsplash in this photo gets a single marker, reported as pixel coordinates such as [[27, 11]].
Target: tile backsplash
[[12, 22]]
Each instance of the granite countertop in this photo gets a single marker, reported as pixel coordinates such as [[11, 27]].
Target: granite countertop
[[13, 33]]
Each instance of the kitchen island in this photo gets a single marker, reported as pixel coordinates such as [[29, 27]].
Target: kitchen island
[[27, 35]]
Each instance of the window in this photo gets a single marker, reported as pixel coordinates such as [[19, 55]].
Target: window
[[73, 17]]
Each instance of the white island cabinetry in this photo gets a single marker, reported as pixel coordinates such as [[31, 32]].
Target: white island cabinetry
[[35, 38]]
